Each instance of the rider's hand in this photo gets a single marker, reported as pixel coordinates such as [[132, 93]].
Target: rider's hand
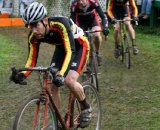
[[58, 80], [135, 19], [114, 21], [105, 31], [17, 78]]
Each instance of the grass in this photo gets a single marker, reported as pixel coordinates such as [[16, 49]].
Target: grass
[[130, 98], [132, 95]]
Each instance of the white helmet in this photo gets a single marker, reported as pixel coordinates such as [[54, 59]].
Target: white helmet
[[35, 12]]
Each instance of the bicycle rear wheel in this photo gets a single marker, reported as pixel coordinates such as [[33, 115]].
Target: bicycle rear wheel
[[31, 114], [93, 99], [127, 55]]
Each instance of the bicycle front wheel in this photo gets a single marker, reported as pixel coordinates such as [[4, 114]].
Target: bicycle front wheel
[[33, 113], [127, 55], [93, 99], [93, 64]]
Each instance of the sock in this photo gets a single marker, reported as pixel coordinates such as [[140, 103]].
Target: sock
[[84, 104], [117, 45], [134, 42]]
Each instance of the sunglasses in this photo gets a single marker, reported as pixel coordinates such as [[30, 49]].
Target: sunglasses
[[32, 25]]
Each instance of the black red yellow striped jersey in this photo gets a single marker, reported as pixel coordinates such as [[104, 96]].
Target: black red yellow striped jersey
[[121, 3], [62, 32]]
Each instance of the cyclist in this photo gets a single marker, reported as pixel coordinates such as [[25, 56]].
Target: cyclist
[[70, 55], [85, 14], [119, 9]]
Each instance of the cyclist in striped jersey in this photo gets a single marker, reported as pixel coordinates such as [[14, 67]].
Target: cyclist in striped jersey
[[120, 9], [70, 55]]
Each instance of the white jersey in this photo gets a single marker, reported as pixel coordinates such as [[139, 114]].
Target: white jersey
[[77, 31]]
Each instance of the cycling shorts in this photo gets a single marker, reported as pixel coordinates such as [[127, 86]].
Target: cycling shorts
[[120, 12], [88, 21], [78, 60]]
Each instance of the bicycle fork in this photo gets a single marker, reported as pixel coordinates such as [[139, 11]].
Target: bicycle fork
[[37, 114], [45, 99]]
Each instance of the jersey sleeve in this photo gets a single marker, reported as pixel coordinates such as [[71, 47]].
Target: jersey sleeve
[[64, 29], [102, 15], [69, 46], [134, 7], [110, 9], [33, 49], [73, 11]]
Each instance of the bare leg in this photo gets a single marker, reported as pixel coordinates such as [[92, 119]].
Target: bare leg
[[132, 36], [97, 41], [116, 35], [74, 86], [130, 30], [97, 38]]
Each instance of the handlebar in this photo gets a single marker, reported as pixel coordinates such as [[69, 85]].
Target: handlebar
[[15, 71], [39, 68], [90, 31], [123, 20]]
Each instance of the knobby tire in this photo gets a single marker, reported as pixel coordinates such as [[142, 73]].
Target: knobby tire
[[93, 64], [93, 99], [127, 55], [26, 113]]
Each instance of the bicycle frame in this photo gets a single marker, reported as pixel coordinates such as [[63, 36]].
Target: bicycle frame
[[65, 124], [90, 38], [47, 79], [124, 41], [122, 36], [46, 82], [123, 30]]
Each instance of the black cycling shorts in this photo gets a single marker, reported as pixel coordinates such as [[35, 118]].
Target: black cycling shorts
[[121, 12], [88, 21]]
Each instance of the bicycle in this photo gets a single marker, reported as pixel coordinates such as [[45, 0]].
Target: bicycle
[[39, 112], [92, 65], [125, 50]]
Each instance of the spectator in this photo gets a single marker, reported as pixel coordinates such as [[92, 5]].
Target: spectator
[[7, 4], [145, 9]]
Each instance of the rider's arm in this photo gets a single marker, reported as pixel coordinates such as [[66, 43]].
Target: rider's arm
[[73, 11], [33, 49], [134, 7], [68, 40], [110, 9], [101, 14]]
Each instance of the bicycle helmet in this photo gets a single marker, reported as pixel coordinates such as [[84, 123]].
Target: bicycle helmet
[[35, 12]]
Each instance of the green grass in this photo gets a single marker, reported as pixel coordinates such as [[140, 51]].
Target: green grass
[[130, 98]]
